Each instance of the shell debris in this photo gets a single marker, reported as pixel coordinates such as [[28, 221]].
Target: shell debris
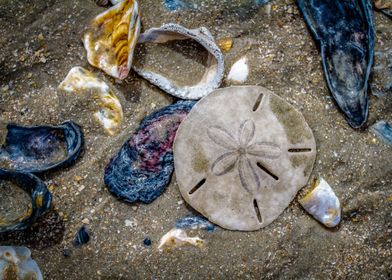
[[239, 71], [178, 237], [322, 203]]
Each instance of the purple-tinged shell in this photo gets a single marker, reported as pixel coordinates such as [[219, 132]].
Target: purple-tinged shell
[[38, 149], [143, 167]]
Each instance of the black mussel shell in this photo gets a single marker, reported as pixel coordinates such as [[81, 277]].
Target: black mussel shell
[[41, 198], [344, 32], [38, 149]]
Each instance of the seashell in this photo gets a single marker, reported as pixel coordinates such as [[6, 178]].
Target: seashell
[[37, 149], [41, 199], [108, 110], [82, 237], [111, 38], [215, 68], [239, 71], [194, 222], [344, 30], [225, 44], [385, 6], [178, 237], [16, 263], [322, 203], [241, 164], [143, 167], [383, 131]]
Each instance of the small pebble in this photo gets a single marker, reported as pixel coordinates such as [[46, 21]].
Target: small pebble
[[147, 241], [66, 253], [85, 221]]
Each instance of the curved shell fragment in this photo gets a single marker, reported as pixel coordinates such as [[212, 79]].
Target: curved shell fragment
[[322, 203], [109, 111], [178, 237], [111, 38], [215, 64]]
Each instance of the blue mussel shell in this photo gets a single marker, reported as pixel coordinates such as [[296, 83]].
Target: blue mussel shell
[[344, 32]]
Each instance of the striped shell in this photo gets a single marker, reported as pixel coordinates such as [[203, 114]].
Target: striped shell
[[111, 38]]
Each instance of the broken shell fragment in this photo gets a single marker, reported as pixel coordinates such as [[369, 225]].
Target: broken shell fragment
[[241, 164], [41, 199], [16, 263], [107, 110], [111, 38], [215, 64], [225, 44], [322, 203], [143, 167], [178, 237], [239, 71], [385, 6], [344, 31], [82, 237], [194, 222], [37, 149]]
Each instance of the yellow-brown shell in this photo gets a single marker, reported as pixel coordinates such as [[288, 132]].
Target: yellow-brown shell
[[111, 38]]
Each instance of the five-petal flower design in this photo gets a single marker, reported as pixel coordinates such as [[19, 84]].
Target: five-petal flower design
[[239, 151]]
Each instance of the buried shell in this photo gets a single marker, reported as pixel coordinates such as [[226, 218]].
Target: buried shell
[[178, 237], [41, 199], [82, 237], [344, 30], [111, 38], [108, 110], [143, 167], [214, 73], [16, 263], [385, 6], [383, 130], [194, 222], [322, 203], [38, 149]]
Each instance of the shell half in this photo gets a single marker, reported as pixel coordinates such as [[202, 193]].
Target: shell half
[[322, 203], [111, 38]]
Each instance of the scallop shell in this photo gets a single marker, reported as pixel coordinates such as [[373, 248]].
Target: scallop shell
[[108, 112], [215, 63], [16, 263], [322, 203], [111, 38]]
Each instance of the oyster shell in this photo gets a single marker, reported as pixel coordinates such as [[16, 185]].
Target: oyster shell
[[41, 199], [16, 263], [38, 149], [322, 203], [214, 73], [111, 38], [344, 31], [241, 164], [143, 167], [107, 107]]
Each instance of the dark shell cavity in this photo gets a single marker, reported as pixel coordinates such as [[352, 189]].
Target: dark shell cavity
[[344, 31], [38, 149], [143, 167], [41, 199], [82, 237]]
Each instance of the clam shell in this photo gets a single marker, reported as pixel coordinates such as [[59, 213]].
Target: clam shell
[[111, 38], [37, 149], [41, 199], [16, 263], [215, 64], [322, 203], [108, 111]]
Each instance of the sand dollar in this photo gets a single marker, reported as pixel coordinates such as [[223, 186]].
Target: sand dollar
[[241, 155]]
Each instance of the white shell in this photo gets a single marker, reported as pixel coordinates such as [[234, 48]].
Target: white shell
[[239, 71], [178, 237], [111, 38], [108, 111], [214, 73], [16, 263], [322, 203]]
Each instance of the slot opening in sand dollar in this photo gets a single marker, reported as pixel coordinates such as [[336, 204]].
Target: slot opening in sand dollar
[[265, 169], [198, 186]]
